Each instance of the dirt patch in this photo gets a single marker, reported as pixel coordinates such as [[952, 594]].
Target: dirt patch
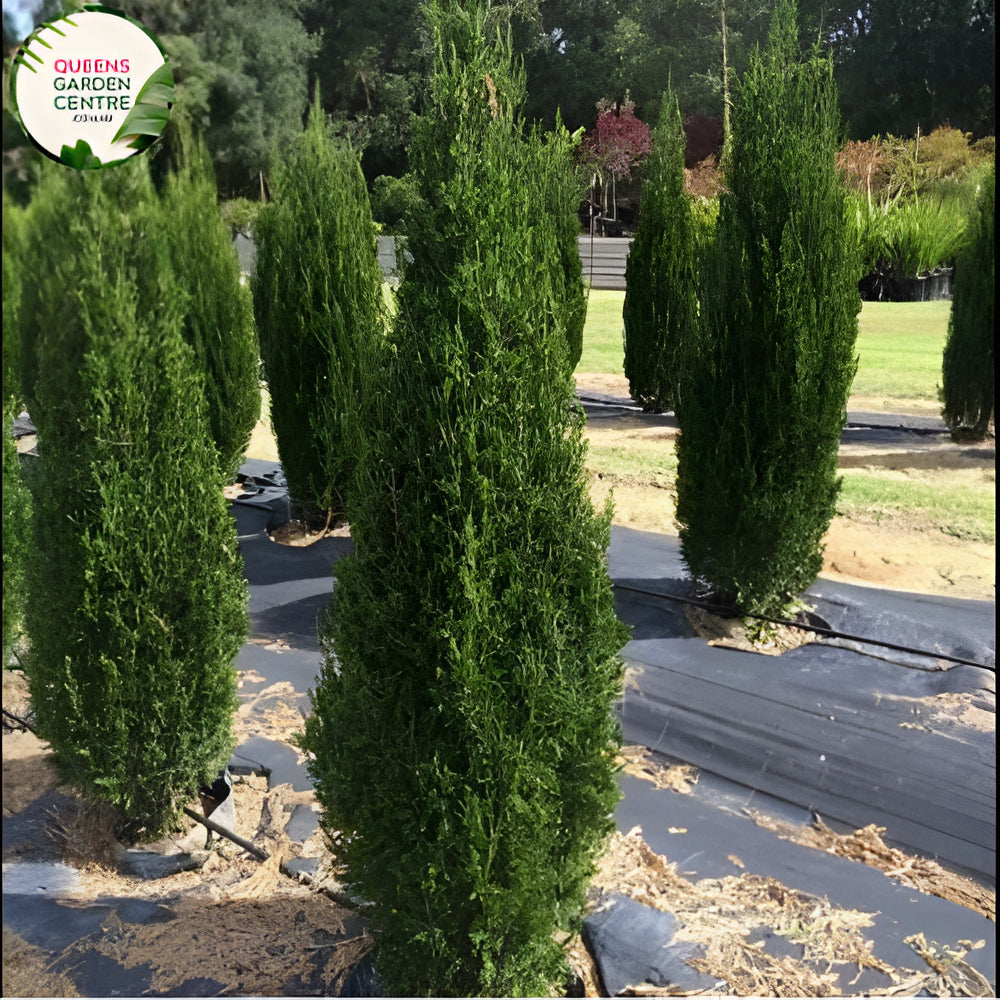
[[281, 945], [27, 971], [274, 713], [741, 633], [900, 552]]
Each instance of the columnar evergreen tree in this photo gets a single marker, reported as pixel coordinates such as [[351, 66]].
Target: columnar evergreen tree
[[968, 368], [559, 187], [16, 501], [218, 314], [318, 300], [764, 389], [463, 737], [661, 297], [137, 602]]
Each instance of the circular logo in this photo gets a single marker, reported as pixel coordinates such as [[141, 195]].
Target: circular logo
[[92, 88]]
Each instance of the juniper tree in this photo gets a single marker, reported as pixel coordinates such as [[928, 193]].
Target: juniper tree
[[462, 734], [137, 603], [661, 297], [16, 501], [218, 314], [318, 301], [764, 386], [968, 369]]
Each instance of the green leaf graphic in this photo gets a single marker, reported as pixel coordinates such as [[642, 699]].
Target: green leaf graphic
[[79, 156], [151, 111]]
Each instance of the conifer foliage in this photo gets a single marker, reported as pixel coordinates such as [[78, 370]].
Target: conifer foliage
[[218, 310], [16, 500], [137, 602], [661, 297], [463, 738], [764, 388], [318, 301], [968, 383]]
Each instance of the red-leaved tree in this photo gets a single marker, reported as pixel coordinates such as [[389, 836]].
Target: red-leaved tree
[[618, 143]]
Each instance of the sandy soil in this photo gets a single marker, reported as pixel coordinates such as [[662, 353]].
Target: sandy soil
[[898, 553]]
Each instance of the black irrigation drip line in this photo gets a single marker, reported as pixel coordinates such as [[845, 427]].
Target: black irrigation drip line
[[805, 626], [16, 721]]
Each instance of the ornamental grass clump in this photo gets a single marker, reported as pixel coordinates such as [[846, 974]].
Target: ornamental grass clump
[[968, 366], [661, 273], [765, 383], [462, 737], [318, 300], [137, 604]]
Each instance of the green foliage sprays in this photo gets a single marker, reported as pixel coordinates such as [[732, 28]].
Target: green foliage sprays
[[218, 311], [764, 388], [463, 737], [968, 372], [137, 603], [16, 500], [661, 298], [318, 301]]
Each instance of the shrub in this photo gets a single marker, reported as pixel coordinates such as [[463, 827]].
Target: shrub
[[470, 651], [137, 603], [558, 184], [318, 300], [218, 312], [764, 384], [16, 501], [661, 297], [919, 236], [240, 215], [968, 367], [393, 200]]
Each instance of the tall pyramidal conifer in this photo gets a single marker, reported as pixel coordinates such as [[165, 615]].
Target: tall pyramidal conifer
[[319, 307], [661, 297], [137, 600], [463, 737], [968, 375], [764, 386]]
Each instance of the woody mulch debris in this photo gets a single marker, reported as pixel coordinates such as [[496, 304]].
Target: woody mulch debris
[[723, 914], [256, 945], [736, 633], [637, 761], [867, 846]]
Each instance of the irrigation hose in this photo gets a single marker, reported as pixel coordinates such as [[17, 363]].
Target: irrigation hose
[[818, 629]]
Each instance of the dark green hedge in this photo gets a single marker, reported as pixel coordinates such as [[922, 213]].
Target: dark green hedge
[[218, 312], [661, 273], [318, 300]]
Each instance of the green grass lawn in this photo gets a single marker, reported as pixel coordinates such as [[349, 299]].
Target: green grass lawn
[[899, 347], [961, 504], [603, 349]]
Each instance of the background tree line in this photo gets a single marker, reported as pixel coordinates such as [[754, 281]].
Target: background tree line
[[246, 70]]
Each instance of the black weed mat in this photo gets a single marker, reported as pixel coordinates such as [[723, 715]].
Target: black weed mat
[[852, 733]]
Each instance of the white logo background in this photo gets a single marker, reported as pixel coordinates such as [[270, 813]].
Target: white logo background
[[88, 35]]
